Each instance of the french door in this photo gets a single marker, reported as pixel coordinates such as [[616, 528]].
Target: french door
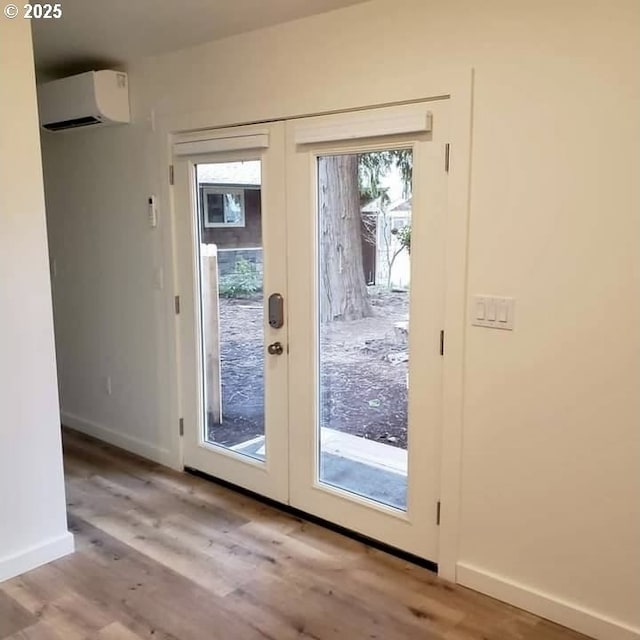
[[229, 198], [311, 265]]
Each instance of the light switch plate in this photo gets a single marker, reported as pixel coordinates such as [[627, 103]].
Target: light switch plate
[[493, 311]]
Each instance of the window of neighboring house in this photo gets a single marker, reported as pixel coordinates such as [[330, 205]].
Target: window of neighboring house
[[222, 207], [399, 222]]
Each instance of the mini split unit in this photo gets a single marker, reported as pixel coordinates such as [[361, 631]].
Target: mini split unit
[[95, 98]]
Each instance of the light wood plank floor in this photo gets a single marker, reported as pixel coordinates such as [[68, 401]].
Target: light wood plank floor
[[168, 556]]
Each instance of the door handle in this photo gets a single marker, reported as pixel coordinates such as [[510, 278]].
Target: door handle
[[275, 349]]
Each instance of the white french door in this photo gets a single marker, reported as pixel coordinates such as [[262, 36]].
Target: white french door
[[337, 411], [369, 485], [230, 228]]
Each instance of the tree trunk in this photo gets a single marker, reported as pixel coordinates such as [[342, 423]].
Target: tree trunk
[[343, 291]]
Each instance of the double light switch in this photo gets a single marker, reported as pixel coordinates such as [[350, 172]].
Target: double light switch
[[491, 311]]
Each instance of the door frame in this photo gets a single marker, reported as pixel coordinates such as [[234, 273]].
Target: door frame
[[458, 85]]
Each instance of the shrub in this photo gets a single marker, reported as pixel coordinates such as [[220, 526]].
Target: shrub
[[244, 280], [404, 236]]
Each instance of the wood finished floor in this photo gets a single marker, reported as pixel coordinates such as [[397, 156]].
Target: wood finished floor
[[166, 556]]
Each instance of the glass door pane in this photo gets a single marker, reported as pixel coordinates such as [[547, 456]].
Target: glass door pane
[[232, 300], [364, 241]]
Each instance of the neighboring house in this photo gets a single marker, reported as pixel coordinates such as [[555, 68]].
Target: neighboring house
[[380, 223], [370, 213], [230, 212]]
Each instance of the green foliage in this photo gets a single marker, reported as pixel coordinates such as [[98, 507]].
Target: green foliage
[[244, 280], [373, 165], [404, 236]]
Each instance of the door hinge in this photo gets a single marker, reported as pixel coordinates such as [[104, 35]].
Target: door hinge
[[438, 513], [181, 426], [171, 174], [447, 154], [442, 342], [176, 304]]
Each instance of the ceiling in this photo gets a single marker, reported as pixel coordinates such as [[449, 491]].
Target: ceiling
[[108, 33]]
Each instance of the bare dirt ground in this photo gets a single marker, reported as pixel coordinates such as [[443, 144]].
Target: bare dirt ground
[[363, 381]]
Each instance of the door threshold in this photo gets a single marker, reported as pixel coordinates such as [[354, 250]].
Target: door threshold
[[327, 524]]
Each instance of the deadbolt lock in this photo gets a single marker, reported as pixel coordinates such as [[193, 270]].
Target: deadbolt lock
[[276, 311]]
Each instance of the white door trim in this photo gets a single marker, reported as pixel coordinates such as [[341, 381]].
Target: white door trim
[[457, 228], [369, 123]]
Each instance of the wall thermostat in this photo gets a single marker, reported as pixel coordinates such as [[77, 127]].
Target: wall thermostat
[[152, 212]]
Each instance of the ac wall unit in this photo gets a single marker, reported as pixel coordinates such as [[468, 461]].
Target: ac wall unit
[[95, 98]]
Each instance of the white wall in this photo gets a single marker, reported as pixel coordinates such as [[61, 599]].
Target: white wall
[[33, 527], [550, 502]]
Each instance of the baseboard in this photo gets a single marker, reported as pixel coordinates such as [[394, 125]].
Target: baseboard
[[121, 440], [33, 557], [545, 605]]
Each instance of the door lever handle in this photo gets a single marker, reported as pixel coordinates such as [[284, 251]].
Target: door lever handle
[[275, 349]]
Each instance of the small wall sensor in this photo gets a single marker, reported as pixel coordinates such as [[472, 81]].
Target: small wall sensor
[[152, 212]]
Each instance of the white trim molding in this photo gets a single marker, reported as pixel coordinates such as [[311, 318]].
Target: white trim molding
[[374, 123], [460, 89], [546, 605], [219, 140], [118, 439], [216, 145], [35, 556]]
